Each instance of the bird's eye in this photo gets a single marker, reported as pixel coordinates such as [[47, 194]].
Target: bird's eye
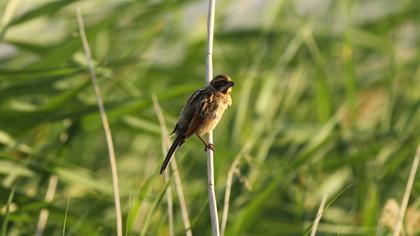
[[221, 86]]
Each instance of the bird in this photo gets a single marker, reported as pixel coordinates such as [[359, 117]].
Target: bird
[[201, 114]]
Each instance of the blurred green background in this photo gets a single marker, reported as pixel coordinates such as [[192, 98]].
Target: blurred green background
[[327, 102]]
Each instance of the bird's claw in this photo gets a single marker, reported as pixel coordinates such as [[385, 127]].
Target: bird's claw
[[209, 146]]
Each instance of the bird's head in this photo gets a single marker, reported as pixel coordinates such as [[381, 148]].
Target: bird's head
[[222, 83]]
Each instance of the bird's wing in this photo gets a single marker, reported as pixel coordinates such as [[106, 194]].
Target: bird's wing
[[199, 105], [195, 123], [187, 114], [197, 97]]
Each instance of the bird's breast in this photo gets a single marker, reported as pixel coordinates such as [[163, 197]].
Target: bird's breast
[[216, 112]]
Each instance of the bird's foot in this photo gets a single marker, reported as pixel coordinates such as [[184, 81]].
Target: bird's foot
[[209, 146]]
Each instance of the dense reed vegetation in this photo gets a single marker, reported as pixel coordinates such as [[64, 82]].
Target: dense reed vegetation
[[326, 104]]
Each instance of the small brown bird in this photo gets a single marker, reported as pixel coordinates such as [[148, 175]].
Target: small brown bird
[[201, 114]]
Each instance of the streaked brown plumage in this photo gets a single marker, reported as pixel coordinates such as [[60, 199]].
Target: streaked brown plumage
[[201, 114]]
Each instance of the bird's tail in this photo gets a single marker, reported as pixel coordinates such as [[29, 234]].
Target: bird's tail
[[178, 141]]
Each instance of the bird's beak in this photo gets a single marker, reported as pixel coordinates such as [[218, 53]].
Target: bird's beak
[[231, 84]]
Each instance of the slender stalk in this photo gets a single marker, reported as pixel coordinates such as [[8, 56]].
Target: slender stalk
[[181, 198], [7, 213], [401, 213], [169, 198], [7, 16], [178, 183], [49, 196], [8, 12], [105, 123], [169, 201], [233, 169], [210, 162], [65, 216], [319, 215], [128, 218]]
